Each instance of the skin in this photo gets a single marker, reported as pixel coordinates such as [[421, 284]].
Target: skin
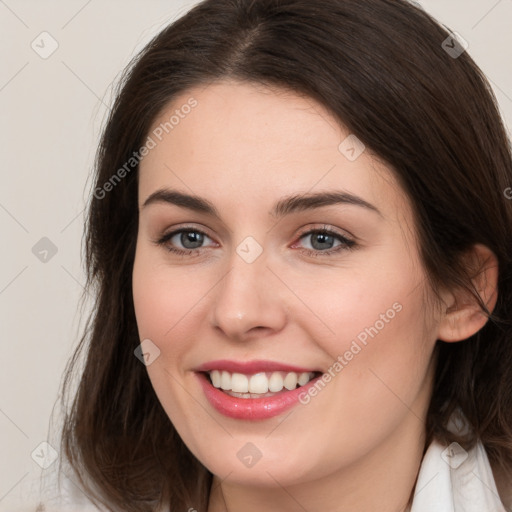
[[358, 444]]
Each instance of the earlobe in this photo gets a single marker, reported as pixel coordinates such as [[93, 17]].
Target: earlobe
[[463, 317]]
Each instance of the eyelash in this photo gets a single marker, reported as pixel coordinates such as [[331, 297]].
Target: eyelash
[[345, 244]]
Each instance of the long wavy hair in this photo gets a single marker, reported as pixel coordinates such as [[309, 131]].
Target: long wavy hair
[[383, 68]]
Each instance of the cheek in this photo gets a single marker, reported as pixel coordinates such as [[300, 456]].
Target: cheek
[[379, 369], [356, 304], [379, 303], [170, 306], [381, 339], [164, 298], [163, 301]]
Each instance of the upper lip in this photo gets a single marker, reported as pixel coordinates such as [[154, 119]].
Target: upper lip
[[250, 367]]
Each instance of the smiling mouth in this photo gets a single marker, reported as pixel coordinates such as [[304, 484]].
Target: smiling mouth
[[258, 385]]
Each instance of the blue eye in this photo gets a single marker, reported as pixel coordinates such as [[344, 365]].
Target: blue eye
[[322, 241], [192, 239]]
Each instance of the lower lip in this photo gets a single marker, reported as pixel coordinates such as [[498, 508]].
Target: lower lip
[[252, 408]]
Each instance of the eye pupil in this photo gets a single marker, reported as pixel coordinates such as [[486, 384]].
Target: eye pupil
[[325, 241], [193, 237]]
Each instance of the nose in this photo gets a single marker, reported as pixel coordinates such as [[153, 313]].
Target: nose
[[248, 301]]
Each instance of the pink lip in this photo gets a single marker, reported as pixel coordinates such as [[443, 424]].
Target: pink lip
[[251, 408], [250, 367]]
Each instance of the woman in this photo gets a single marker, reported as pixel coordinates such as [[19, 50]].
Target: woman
[[300, 237]]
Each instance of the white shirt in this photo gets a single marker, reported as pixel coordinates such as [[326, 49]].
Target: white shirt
[[452, 480]]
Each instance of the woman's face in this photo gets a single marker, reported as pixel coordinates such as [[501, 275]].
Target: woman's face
[[263, 292]]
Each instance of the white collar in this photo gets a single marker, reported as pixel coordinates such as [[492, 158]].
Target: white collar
[[453, 480]]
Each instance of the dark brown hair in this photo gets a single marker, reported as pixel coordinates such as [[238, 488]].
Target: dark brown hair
[[380, 68]]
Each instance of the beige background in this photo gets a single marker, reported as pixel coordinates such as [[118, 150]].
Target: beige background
[[52, 112]]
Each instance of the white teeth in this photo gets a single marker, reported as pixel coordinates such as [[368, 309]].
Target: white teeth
[[239, 383], [260, 383], [275, 383], [225, 381], [216, 378], [290, 381], [304, 378]]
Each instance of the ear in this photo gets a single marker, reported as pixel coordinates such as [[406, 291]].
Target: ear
[[462, 316]]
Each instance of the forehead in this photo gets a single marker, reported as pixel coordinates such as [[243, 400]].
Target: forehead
[[244, 140]]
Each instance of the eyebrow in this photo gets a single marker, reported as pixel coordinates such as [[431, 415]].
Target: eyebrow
[[285, 206]]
